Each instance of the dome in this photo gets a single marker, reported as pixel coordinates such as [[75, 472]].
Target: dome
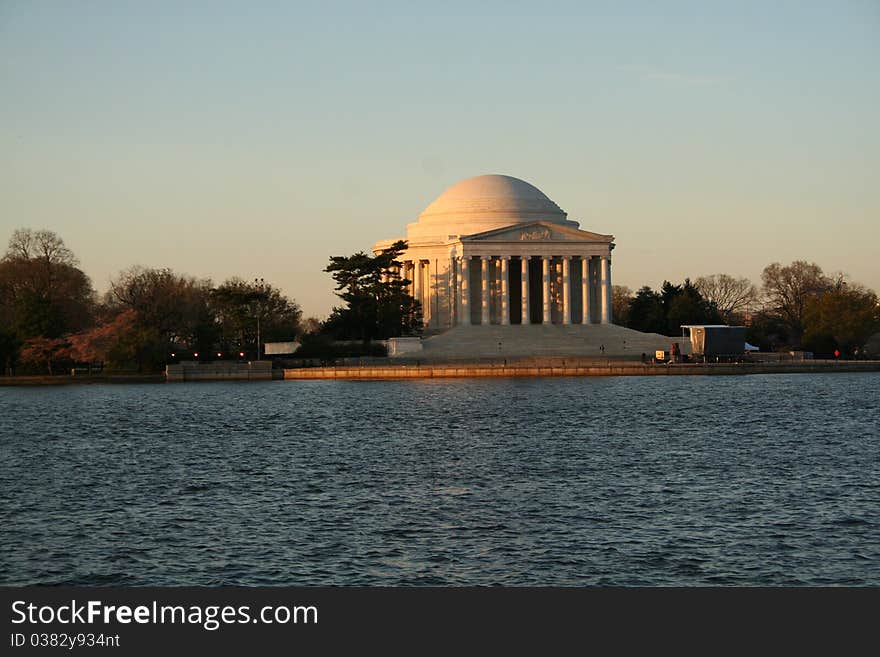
[[492, 193], [483, 203]]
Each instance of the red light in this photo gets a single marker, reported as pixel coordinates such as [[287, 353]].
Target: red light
[[196, 354], [219, 354], [241, 353]]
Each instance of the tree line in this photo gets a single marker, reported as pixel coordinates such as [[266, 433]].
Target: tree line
[[51, 318], [797, 307]]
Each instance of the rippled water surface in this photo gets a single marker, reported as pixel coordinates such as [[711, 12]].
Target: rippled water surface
[[568, 481]]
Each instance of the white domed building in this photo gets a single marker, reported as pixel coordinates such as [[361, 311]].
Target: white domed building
[[495, 250]]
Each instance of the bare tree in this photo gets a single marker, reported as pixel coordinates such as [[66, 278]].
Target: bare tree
[[788, 290], [730, 295], [42, 245], [173, 305]]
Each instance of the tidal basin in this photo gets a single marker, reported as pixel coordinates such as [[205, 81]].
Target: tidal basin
[[689, 480]]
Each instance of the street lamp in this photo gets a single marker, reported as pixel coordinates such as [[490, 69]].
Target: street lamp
[[258, 282]]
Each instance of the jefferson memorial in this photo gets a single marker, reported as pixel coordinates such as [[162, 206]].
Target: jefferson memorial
[[494, 253], [496, 250]]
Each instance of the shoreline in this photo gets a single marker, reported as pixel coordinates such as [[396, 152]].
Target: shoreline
[[574, 368], [66, 379], [544, 367]]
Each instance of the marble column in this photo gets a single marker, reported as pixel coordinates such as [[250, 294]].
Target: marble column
[[566, 290], [606, 289], [484, 271], [417, 281], [524, 280], [585, 289], [505, 291], [427, 294], [464, 308], [452, 287], [545, 280]]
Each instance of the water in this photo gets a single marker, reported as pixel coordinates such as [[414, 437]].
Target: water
[[770, 480]]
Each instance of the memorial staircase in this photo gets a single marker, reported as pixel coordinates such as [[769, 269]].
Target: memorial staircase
[[517, 341]]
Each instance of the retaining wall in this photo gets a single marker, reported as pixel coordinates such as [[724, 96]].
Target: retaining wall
[[609, 368], [260, 370], [66, 379]]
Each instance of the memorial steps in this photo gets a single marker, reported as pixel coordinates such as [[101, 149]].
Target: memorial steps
[[543, 340]]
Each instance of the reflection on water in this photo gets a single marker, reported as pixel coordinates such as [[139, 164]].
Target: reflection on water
[[569, 481]]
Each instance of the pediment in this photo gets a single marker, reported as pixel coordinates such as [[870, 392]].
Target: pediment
[[537, 231]]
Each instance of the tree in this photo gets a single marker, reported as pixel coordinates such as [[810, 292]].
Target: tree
[[683, 304], [42, 245], [767, 331], [664, 312], [9, 347], [174, 305], [621, 298], [311, 325], [788, 290], [646, 312], [115, 341], [378, 304], [42, 290], [43, 294], [43, 352], [730, 295], [243, 310], [843, 318], [170, 309]]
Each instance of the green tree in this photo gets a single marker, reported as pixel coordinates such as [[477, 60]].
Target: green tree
[[378, 305], [767, 331], [646, 312], [843, 318], [245, 311], [683, 304], [665, 311]]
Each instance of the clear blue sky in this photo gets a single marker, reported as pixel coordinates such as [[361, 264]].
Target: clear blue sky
[[259, 138]]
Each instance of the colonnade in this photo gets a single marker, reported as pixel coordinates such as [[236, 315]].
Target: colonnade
[[465, 295]]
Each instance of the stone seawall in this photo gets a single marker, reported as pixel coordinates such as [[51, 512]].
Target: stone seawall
[[610, 368], [219, 371], [550, 367], [66, 379]]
